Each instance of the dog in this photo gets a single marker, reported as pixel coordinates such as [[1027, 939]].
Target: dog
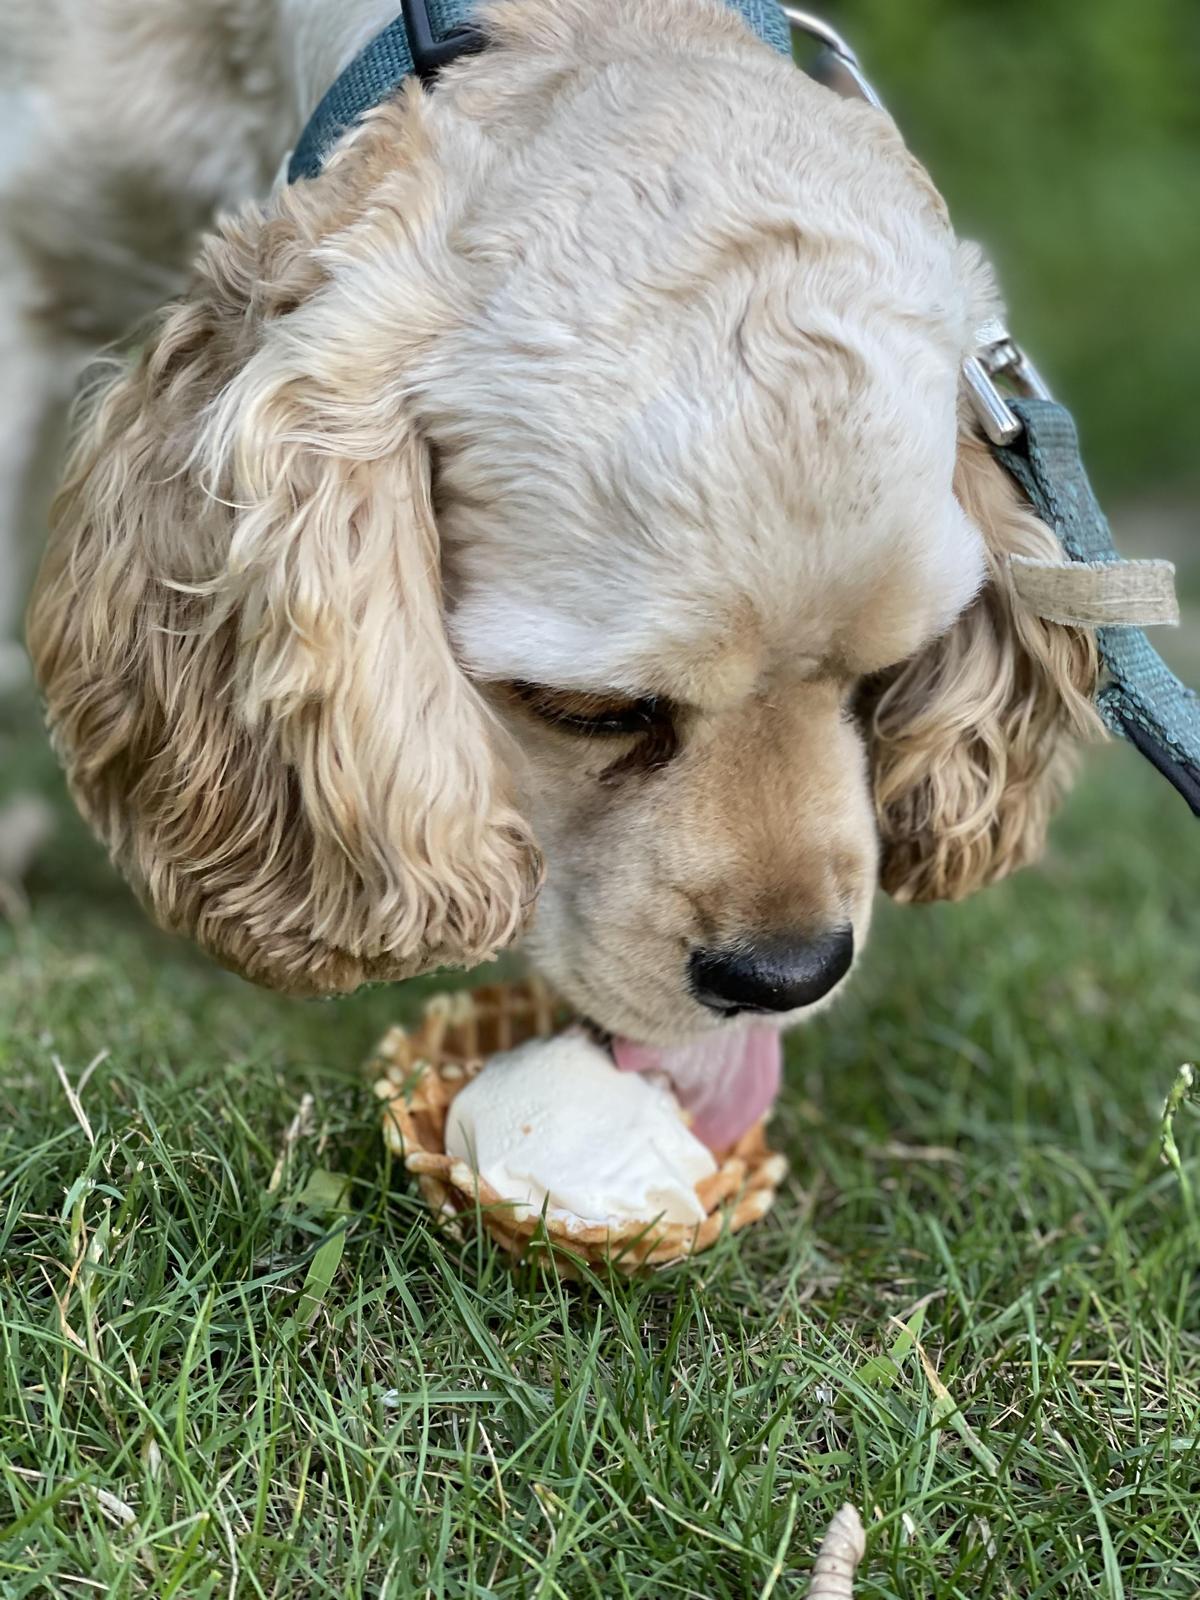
[[559, 520]]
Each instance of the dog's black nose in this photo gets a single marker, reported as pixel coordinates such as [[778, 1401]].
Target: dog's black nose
[[773, 974]]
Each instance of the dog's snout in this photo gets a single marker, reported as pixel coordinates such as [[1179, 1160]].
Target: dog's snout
[[771, 975]]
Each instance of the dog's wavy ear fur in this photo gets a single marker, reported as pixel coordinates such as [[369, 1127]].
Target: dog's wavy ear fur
[[238, 626], [972, 741]]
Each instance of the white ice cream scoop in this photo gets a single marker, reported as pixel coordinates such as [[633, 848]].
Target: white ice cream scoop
[[555, 1124]]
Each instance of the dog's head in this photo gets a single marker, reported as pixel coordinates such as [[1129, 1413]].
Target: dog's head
[[577, 461]]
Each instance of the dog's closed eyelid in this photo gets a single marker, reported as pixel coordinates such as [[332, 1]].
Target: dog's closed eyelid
[[590, 713]]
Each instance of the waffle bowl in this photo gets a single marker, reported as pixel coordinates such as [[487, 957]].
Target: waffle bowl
[[418, 1072]]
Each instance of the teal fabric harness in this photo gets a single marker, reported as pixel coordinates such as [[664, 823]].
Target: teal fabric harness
[[427, 35], [1140, 699]]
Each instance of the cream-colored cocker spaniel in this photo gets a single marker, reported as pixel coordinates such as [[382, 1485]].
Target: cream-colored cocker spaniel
[[558, 518]]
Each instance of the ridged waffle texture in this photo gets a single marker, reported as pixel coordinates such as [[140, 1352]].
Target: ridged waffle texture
[[418, 1071]]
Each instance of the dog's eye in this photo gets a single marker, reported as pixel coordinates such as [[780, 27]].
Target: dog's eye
[[598, 715]]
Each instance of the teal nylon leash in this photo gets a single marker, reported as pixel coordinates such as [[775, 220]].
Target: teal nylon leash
[[1142, 700]]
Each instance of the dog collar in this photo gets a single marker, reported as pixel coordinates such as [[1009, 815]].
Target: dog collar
[[424, 38], [1031, 435]]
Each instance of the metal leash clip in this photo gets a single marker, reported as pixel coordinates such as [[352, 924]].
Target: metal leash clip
[[836, 66], [998, 356]]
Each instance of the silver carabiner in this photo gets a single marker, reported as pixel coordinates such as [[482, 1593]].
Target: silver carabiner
[[836, 66], [998, 355]]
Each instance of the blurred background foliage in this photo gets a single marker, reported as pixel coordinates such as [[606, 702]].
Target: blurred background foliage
[[1066, 136]]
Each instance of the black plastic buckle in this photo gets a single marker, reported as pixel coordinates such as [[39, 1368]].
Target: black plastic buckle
[[431, 54]]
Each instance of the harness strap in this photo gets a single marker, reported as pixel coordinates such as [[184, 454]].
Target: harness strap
[[1142, 699], [428, 35], [375, 73]]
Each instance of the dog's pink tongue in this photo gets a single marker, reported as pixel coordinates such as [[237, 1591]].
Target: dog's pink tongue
[[726, 1081]]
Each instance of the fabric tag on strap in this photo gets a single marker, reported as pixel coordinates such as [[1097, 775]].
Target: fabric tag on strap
[[1098, 594], [1142, 699]]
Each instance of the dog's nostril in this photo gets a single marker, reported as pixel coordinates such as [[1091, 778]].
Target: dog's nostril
[[772, 975]]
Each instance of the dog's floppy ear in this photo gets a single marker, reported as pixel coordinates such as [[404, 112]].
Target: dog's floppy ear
[[238, 627], [972, 740]]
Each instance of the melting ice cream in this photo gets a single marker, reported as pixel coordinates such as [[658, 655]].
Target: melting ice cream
[[555, 1124]]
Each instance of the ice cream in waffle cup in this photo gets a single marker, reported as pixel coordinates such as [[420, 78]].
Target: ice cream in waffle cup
[[418, 1071]]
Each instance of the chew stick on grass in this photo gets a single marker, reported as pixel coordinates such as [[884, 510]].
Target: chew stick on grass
[[838, 1558]]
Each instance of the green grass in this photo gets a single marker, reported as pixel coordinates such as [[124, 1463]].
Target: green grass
[[975, 1312], [1064, 137]]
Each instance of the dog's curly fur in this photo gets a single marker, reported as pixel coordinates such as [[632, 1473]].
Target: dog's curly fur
[[974, 737], [285, 756], [623, 363]]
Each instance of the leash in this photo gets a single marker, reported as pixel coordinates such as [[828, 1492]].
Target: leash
[[1142, 700], [1030, 434], [1033, 437]]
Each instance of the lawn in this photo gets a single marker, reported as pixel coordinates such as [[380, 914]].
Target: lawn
[[235, 1359]]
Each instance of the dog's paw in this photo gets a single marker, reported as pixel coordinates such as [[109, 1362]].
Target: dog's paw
[[26, 823]]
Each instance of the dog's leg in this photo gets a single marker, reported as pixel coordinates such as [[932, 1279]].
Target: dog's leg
[[38, 370], [123, 128]]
